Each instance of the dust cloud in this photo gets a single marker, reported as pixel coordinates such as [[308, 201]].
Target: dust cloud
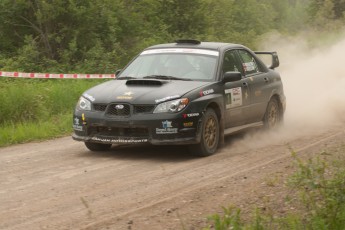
[[314, 82], [314, 85]]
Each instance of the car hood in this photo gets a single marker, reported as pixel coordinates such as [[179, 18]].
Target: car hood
[[144, 91]]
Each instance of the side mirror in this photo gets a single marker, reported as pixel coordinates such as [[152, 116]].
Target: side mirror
[[232, 76]]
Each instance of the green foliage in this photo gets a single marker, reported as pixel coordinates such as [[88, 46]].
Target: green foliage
[[53, 126], [321, 185], [24, 100], [62, 33], [239, 21], [184, 19], [38, 109], [327, 15], [322, 190], [93, 36], [290, 17], [230, 219]]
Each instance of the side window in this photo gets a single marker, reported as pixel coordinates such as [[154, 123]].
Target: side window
[[249, 63], [230, 62]]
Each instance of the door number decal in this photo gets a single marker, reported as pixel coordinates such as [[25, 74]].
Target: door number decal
[[233, 97]]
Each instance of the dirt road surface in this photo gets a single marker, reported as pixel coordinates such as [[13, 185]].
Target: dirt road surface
[[59, 184]]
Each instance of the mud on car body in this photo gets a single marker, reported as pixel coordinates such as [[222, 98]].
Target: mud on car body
[[189, 92]]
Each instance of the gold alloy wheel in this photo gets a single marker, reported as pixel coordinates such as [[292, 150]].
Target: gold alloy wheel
[[210, 132]]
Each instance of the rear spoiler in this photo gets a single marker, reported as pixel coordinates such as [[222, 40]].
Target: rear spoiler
[[274, 61]]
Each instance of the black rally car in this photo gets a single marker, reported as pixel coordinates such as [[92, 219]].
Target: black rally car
[[189, 92]]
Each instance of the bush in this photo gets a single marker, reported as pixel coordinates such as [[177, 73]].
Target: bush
[[34, 109], [24, 100], [321, 186]]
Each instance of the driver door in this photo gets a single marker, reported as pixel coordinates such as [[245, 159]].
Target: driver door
[[236, 94]]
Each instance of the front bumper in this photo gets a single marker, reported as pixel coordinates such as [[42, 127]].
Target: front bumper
[[156, 129]]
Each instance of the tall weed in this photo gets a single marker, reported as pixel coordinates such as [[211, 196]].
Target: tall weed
[[24, 100], [32, 109], [55, 126], [321, 186], [322, 189]]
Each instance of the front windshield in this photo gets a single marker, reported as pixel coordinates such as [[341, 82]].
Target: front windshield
[[185, 66]]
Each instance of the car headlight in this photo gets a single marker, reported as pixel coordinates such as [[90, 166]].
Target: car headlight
[[172, 106], [83, 104]]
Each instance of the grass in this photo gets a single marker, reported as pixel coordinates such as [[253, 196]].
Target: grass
[[37, 109], [56, 126], [320, 185]]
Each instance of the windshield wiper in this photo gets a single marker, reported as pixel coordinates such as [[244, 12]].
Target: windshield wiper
[[163, 77]]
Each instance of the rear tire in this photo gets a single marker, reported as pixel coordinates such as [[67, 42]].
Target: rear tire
[[209, 135], [273, 115], [97, 146]]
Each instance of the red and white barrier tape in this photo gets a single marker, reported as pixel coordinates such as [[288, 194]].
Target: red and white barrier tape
[[53, 75]]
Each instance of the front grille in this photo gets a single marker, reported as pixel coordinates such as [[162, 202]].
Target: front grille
[[99, 107], [143, 108], [118, 110], [123, 109]]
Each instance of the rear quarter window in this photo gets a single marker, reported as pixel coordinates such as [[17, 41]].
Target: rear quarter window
[[249, 64]]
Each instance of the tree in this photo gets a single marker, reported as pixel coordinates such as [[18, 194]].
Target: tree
[[327, 14], [184, 19], [103, 35], [62, 31], [239, 21]]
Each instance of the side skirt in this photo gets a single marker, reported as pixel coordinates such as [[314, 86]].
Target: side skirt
[[243, 127]]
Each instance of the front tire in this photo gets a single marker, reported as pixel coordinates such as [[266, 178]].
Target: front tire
[[209, 135], [97, 146]]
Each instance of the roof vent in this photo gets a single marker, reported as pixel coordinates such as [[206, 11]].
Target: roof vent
[[188, 41]]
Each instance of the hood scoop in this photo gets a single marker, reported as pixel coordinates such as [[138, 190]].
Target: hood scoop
[[145, 82]]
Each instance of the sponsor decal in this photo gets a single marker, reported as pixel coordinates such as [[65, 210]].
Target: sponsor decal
[[188, 124], [206, 92], [181, 50], [233, 97], [167, 128], [91, 98], [126, 96], [119, 141], [190, 115], [258, 93], [249, 66], [83, 118], [122, 97], [128, 93], [76, 124], [167, 98]]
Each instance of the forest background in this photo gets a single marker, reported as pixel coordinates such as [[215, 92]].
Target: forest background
[[101, 36]]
